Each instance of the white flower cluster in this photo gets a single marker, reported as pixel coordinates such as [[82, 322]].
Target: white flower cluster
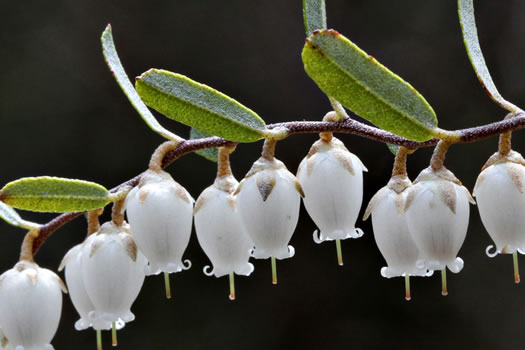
[[419, 227]]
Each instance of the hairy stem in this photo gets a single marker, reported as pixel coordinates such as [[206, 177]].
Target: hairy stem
[[269, 149], [26, 252], [438, 157], [400, 162], [223, 163], [117, 214], [93, 222], [347, 126]]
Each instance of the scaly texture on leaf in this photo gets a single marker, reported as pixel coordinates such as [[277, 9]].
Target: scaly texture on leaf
[[199, 106], [470, 37], [392, 148], [10, 216], [114, 64], [314, 14], [360, 83], [53, 194], [211, 154]]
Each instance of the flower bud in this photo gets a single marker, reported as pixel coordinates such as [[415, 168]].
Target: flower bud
[[332, 180], [160, 213], [113, 273], [220, 230], [437, 210], [499, 192], [30, 306], [391, 234], [268, 200]]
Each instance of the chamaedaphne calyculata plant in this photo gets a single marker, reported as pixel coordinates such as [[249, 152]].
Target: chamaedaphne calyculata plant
[[419, 224]]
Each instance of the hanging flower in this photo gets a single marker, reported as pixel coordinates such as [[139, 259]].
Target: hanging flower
[[113, 274], [332, 180], [72, 263], [389, 223], [30, 306], [268, 200], [220, 230], [499, 192], [159, 211], [437, 210]]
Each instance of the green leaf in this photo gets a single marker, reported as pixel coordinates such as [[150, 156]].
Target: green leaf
[[314, 13], [360, 83], [53, 194], [199, 106], [392, 148], [10, 216], [211, 154], [114, 64], [470, 37]]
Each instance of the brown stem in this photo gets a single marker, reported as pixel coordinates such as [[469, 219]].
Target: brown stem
[[400, 162], [347, 126], [93, 222], [438, 157], [223, 163], [117, 214], [505, 145], [269, 149], [326, 136], [26, 251], [159, 154]]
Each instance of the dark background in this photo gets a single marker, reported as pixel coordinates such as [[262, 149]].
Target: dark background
[[62, 114]]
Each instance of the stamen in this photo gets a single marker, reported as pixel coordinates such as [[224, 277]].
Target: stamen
[[339, 252], [407, 287], [167, 285], [274, 270], [232, 286], [99, 339], [114, 334], [516, 267], [444, 290]]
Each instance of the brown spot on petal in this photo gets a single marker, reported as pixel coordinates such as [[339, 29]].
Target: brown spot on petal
[[298, 187], [345, 160], [373, 202], [310, 166], [130, 246], [314, 149], [516, 176], [200, 202], [143, 194], [232, 202], [265, 184], [238, 188], [410, 197], [447, 193], [94, 247], [32, 275], [505, 249], [182, 193], [400, 203], [4, 341]]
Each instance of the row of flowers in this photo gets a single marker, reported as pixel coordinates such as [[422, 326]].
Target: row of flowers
[[419, 227]]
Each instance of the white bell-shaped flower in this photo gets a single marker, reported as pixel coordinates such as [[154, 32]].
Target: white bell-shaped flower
[[500, 195], [220, 230], [268, 200], [72, 263], [113, 274], [391, 234], [437, 210], [332, 180], [30, 306], [160, 213]]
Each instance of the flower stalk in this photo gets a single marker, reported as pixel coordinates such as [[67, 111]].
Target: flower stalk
[[516, 267]]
